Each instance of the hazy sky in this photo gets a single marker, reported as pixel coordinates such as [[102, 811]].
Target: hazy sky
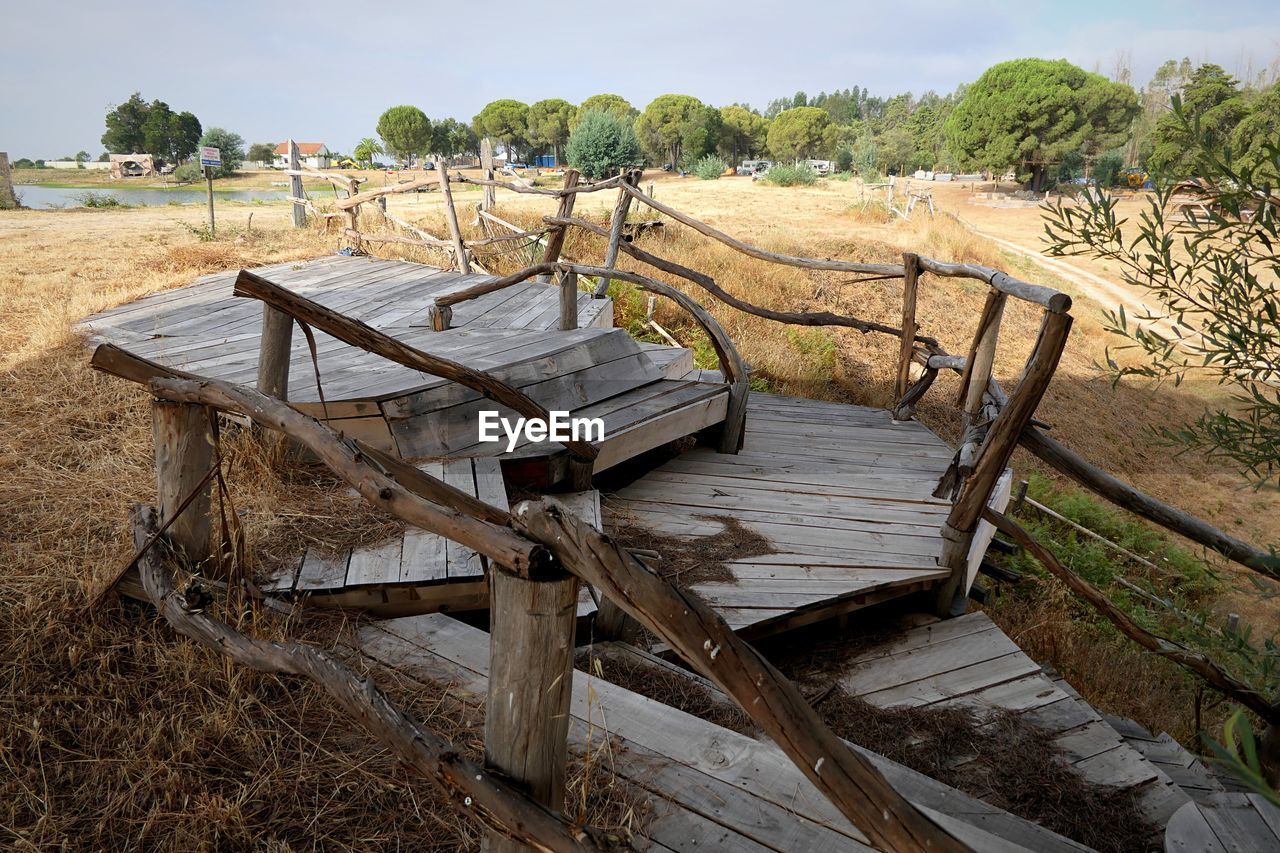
[[328, 76]]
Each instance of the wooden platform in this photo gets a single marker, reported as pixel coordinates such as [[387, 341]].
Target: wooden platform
[[842, 492], [709, 788]]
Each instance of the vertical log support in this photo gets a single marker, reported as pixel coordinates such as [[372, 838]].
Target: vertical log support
[[997, 449], [982, 357], [910, 279], [451, 213], [555, 239], [274, 353], [616, 226], [441, 316], [568, 301], [526, 724], [184, 455], [488, 199], [8, 201], [295, 186]]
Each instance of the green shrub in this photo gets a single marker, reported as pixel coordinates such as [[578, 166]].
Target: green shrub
[[709, 168], [1107, 169], [790, 174], [602, 144], [188, 173], [99, 200], [844, 160]]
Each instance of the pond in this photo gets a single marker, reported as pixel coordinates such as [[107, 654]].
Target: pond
[[49, 198]]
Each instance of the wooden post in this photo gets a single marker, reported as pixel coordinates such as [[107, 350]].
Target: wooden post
[[274, 353], [208, 177], [295, 186], [8, 201], [616, 225], [526, 721], [441, 316], [568, 301], [488, 198], [910, 278], [451, 213], [555, 240], [982, 354], [184, 455]]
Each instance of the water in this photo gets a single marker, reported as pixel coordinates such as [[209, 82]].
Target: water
[[47, 198]]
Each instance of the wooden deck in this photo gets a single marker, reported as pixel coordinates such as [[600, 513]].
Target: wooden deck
[[709, 788]]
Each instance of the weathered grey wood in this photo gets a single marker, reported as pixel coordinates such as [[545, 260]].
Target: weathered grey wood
[[568, 300], [274, 353], [910, 280], [1053, 300], [183, 458], [555, 239], [705, 641], [451, 215], [486, 163], [617, 223], [526, 723], [8, 201], [295, 187]]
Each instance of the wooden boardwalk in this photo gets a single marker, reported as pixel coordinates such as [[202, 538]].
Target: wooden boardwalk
[[708, 788]]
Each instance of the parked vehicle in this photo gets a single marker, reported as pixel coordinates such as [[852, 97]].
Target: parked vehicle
[[754, 167]]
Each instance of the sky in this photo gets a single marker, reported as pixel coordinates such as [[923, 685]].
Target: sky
[[326, 75]]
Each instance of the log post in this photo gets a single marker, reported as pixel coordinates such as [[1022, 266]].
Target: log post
[[568, 301], [274, 352], [183, 457], [910, 278], [441, 316], [526, 722], [555, 239], [488, 199], [982, 355], [996, 450], [295, 186], [617, 224], [451, 213], [8, 201]]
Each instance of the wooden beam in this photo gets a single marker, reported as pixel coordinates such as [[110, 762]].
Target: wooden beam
[[392, 189], [471, 790], [366, 337], [1053, 300], [878, 270], [526, 721], [451, 214], [486, 163], [617, 223], [484, 287], [274, 353], [184, 455], [555, 239], [295, 186], [349, 462], [568, 301], [910, 280], [690, 627]]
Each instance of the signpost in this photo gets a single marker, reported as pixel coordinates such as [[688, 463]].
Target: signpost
[[210, 159]]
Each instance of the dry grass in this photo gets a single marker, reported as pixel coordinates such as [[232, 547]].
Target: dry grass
[[688, 561]]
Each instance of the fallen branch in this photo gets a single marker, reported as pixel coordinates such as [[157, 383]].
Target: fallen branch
[[1191, 660], [470, 789], [702, 638]]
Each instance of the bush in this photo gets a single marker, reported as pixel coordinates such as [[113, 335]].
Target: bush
[[602, 144], [99, 200], [1107, 169], [709, 168], [844, 160], [232, 147], [790, 174], [188, 173]]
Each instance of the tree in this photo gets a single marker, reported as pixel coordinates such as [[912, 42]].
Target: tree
[[230, 145], [613, 104], [1258, 130], [1030, 112], [801, 133], [602, 144], [742, 132], [1219, 303], [507, 121], [405, 131], [184, 134], [157, 131], [1212, 101], [261, 152], [124, 126], [366, 149], [667, 122], [549, 123], [83, 156]]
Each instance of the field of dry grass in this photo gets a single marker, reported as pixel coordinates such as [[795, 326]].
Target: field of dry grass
[[114, 734]]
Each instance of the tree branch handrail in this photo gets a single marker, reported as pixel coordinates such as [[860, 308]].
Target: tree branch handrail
[[1047, 297], [365, 337], [558, 193]]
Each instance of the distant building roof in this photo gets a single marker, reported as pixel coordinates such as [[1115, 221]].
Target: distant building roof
[[305, 149]]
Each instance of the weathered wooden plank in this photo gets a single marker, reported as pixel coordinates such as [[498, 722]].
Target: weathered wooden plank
[[376, 564], [322, 571], [463, 562]]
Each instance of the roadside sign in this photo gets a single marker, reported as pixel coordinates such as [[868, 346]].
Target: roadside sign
[[210, 157]]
